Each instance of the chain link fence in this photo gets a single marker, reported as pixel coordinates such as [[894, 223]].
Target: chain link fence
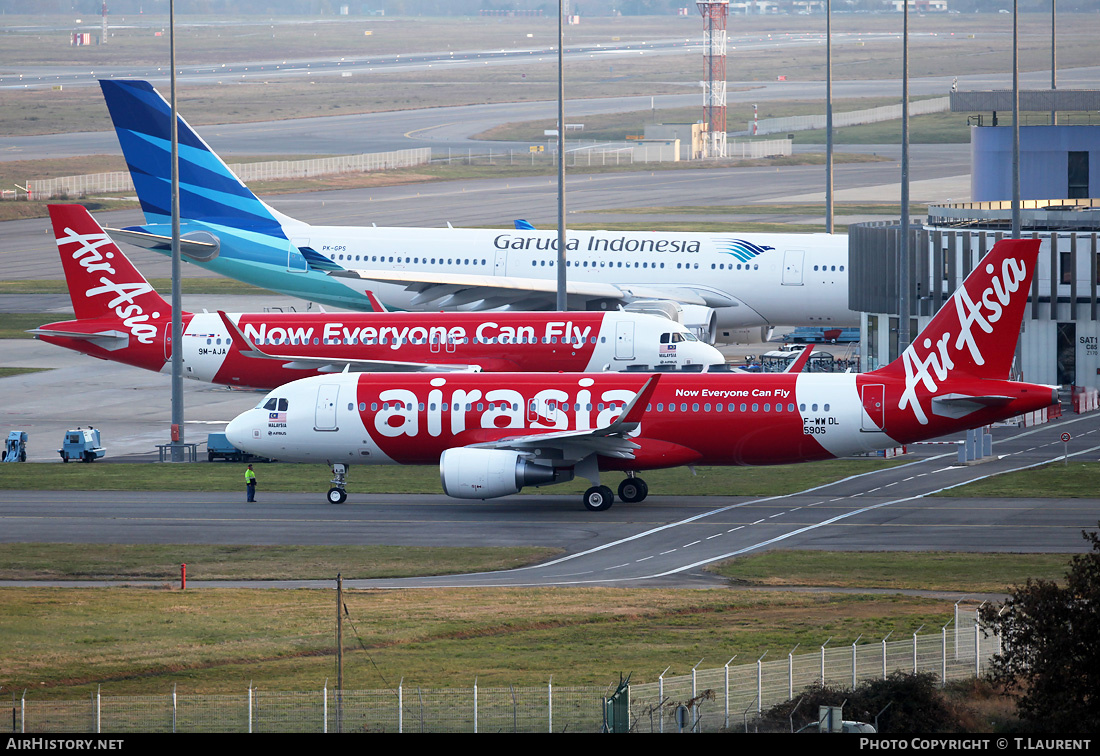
[[730, 697], [120, 181], [850, 118], [705, 700]]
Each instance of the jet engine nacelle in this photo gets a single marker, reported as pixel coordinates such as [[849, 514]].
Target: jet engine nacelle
[[701, 320], [749, 335], [488, 473]]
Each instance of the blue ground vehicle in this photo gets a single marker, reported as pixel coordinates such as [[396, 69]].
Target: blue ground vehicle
[[16, 448], [82, 444], [218, 446]]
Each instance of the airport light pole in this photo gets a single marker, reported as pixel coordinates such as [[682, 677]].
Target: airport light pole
[[1016, 120], [562, 300], [903, 247], [177, 303], [1053, 66], [828, 116]]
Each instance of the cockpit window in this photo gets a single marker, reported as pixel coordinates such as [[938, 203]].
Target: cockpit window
[[282, 405], [271, 403], [275, 404]]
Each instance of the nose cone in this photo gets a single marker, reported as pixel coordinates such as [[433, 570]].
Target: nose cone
[[239, 430]]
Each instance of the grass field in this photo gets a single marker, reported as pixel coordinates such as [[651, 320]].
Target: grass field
[[144, 641]]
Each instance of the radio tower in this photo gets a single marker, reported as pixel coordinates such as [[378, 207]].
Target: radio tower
[[714, 13]]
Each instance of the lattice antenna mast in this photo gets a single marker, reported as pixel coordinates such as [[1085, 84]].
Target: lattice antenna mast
[[715, 13]]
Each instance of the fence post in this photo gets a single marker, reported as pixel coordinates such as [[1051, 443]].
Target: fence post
[[174, 708], [977, 649], [943, 653], [324, 708], [854, 659], [823, 660], [727, 720], [23, 713], [475, 705], [98, 709], [790, 672], [915, 648], [550, 704], [250, 707], [760, 682], [401, 705], [661, 699], [694, 703], [884, 653]]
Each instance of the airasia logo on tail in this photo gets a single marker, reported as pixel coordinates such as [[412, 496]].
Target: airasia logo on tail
[[123, 295], [938, 363]]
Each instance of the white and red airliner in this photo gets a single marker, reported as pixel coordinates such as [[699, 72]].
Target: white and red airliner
[[120, 317], [493, 434]]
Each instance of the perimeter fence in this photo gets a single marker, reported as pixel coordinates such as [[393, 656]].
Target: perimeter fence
[[705, 700], [850, 118], [120, 181]]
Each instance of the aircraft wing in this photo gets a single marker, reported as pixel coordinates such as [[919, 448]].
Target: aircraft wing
[[328, 365], [611, 440], [443, 290]]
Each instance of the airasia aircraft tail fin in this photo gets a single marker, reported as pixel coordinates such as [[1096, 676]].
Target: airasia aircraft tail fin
[[102, 281], [976, 330]]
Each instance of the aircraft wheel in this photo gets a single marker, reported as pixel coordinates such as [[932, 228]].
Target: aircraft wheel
[[633, 490], [337, 496], [598, 499]]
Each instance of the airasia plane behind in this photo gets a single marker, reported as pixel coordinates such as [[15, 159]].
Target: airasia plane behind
[[494, 434], [120, 317]]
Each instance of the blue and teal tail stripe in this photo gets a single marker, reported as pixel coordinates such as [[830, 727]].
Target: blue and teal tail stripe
[[209, 191]]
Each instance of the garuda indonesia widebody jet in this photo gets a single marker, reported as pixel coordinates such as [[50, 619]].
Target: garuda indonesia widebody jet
[[494, 434], [718, 281]]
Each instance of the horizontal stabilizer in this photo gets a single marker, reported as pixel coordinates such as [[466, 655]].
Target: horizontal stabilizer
[[199, 250], [961, 405], [109, 340]]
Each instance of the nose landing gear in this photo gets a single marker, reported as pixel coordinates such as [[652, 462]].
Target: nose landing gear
[[338, 493]]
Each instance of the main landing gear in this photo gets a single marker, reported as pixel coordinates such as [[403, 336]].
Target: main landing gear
[[338, 493], [600, 498]]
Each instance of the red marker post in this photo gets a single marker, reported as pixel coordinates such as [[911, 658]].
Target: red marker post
[[1065, 448], [183, 577]]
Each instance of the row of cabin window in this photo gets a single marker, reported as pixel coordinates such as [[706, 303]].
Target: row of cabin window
[[544, 263], [446, 407], [414, 260], [603, 264]]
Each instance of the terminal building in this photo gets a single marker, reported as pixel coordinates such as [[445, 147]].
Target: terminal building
[[1059, 172]]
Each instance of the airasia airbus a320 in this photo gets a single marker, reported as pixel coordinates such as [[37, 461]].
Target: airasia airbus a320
[[494, 434], [120, 317]]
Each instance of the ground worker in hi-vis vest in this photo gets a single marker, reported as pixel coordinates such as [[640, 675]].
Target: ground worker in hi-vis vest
[[250, 483]]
